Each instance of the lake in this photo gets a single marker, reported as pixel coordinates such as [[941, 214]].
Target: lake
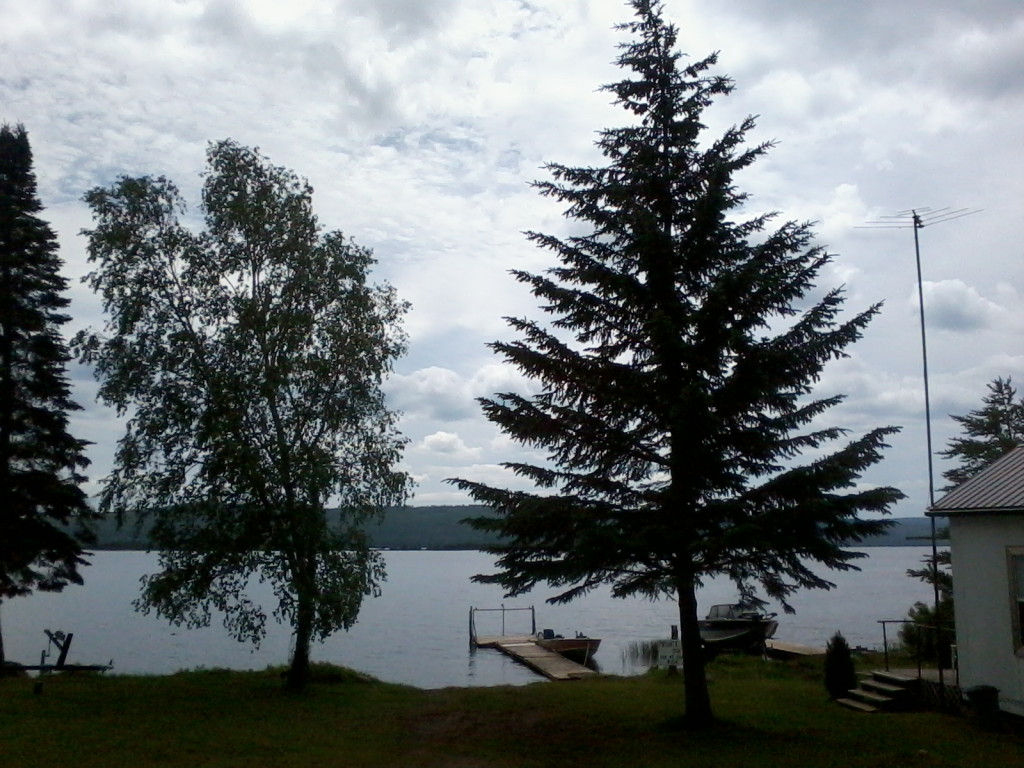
[[417, 632]]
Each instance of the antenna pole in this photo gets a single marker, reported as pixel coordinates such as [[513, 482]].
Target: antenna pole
[[917, 221], [928, 440], [924, 358]]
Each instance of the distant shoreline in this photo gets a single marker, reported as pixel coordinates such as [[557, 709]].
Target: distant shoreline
[[440, 528]]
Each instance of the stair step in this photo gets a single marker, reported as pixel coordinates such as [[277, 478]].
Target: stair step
[[886, 689], [879, 691], [860, 706], [868, 697], [893, 678]]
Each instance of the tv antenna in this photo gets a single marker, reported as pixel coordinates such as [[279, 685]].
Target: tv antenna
[[919, 218]]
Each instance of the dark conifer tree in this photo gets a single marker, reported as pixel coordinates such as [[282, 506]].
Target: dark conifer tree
[[840, 670], [677, 375], [989, 432], [43, 509]]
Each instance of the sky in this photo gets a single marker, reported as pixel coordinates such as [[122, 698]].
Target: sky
[[421, 123]]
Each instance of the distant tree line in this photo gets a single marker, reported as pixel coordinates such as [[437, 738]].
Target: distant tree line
[[440, 527], [428, 527]]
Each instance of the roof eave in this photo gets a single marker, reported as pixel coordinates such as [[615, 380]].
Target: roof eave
[[978, 511]]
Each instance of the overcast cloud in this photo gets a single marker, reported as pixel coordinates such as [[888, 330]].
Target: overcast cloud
[[420, 124]]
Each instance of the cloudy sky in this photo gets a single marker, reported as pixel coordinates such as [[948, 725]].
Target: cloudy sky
[[420, 124]]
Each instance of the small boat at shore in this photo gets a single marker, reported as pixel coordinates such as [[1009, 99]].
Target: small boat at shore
[[737, 627], [579, 648]]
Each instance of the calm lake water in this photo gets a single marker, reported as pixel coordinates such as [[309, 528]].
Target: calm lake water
[[417, 631]]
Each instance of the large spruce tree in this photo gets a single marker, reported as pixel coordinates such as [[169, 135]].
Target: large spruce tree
[[677, 374], [989, 432], [43, 509]]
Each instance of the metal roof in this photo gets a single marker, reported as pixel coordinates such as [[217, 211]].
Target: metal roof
[[999, 488]]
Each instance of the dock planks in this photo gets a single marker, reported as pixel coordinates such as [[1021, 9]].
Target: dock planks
[[781, 650], [525, 650]]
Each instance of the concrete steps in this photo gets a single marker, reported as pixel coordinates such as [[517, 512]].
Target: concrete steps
[[880, 692]]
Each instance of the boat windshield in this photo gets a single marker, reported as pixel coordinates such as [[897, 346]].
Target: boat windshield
[[722, 612], [735, 611]]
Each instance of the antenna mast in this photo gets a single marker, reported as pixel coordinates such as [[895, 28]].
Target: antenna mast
[[919, 218]]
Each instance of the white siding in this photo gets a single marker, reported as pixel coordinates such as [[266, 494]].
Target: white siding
[[984, 605]]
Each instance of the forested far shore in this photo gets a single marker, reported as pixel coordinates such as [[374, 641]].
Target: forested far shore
[[442, 527]]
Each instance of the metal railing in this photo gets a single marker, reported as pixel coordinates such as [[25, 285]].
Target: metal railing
[[474, 611], [937, 634]]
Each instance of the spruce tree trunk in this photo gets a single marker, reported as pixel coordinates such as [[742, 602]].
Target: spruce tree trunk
[[698, 700], [3, 658]]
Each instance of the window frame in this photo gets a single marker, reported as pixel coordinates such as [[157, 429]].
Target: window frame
[[1015, 574]]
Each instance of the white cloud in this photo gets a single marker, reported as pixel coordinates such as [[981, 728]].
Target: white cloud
[[437, 393], [441, 393], [449, 445], [952, 305], [420, 125]]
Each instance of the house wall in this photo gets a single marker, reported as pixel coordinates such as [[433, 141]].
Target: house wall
[[984, 606]]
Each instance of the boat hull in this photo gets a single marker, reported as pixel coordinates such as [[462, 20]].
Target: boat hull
[[734, 628], [746, 636], [578, 649]]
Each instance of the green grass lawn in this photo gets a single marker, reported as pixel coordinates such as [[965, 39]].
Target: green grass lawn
[[771, 714]]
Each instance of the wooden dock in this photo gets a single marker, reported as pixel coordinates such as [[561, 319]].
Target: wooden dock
[[779, 650], [524, 649]]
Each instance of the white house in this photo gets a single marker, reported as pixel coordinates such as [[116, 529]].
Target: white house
[[986, 532]]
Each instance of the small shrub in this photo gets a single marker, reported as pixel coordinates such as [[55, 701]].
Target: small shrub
[[840, 674]]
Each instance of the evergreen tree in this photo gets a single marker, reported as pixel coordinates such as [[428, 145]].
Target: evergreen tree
[[989, 432], [840, 671], [43, 509], [677, 375], [931, 634]]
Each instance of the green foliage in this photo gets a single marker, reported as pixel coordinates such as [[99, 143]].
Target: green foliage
[[676, 377], [840, 671], [250, 357], [43, 510], [937, 570], [989, 432], [930, 636]]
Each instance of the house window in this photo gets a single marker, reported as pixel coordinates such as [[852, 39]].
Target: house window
[[1016, 556]]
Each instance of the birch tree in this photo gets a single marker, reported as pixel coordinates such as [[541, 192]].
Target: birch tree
[[248, 359]]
